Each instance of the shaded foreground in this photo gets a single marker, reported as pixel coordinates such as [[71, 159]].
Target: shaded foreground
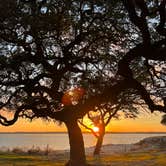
[[147, 152], [151, 158]]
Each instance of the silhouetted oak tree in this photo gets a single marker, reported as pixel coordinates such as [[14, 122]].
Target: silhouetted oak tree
[[49, 47]]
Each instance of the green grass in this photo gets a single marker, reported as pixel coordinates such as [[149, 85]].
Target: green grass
[[27, 160], [151, 158]]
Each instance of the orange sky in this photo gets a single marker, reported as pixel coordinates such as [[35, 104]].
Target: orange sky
[[145, 123]]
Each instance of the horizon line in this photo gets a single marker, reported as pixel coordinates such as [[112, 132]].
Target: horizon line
[[65, 132]]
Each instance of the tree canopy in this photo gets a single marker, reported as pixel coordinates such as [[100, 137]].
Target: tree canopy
[[48, 47]]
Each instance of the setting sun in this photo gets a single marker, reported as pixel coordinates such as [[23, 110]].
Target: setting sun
[[95, 129]]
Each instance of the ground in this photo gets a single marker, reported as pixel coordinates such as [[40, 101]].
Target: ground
[[149, 158], [148, 152]]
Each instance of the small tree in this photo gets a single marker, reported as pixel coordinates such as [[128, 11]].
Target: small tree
[[101, 117]]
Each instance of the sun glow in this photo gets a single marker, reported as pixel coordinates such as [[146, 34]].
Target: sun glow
[[73, 96], [95, 129]]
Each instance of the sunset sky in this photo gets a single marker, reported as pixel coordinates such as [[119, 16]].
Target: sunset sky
[[145, 123]]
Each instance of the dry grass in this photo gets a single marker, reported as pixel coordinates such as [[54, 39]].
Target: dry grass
[[148, 158]]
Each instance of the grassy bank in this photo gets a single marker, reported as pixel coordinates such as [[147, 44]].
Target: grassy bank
[[27, 160], [150, 158]]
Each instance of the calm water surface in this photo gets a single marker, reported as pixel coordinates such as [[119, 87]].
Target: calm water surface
[[59, 141]]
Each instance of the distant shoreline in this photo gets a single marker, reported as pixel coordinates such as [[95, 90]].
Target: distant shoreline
[[83, 133]]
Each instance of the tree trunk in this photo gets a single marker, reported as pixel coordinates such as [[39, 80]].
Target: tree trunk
[[99, 139], [98, 145], [77, 150]]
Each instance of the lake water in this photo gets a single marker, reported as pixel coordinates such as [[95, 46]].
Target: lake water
[[59, 141]]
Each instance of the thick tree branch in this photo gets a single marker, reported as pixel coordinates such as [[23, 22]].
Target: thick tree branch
[[162, 12], [146, 96], [5, 122], [139, 21]]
